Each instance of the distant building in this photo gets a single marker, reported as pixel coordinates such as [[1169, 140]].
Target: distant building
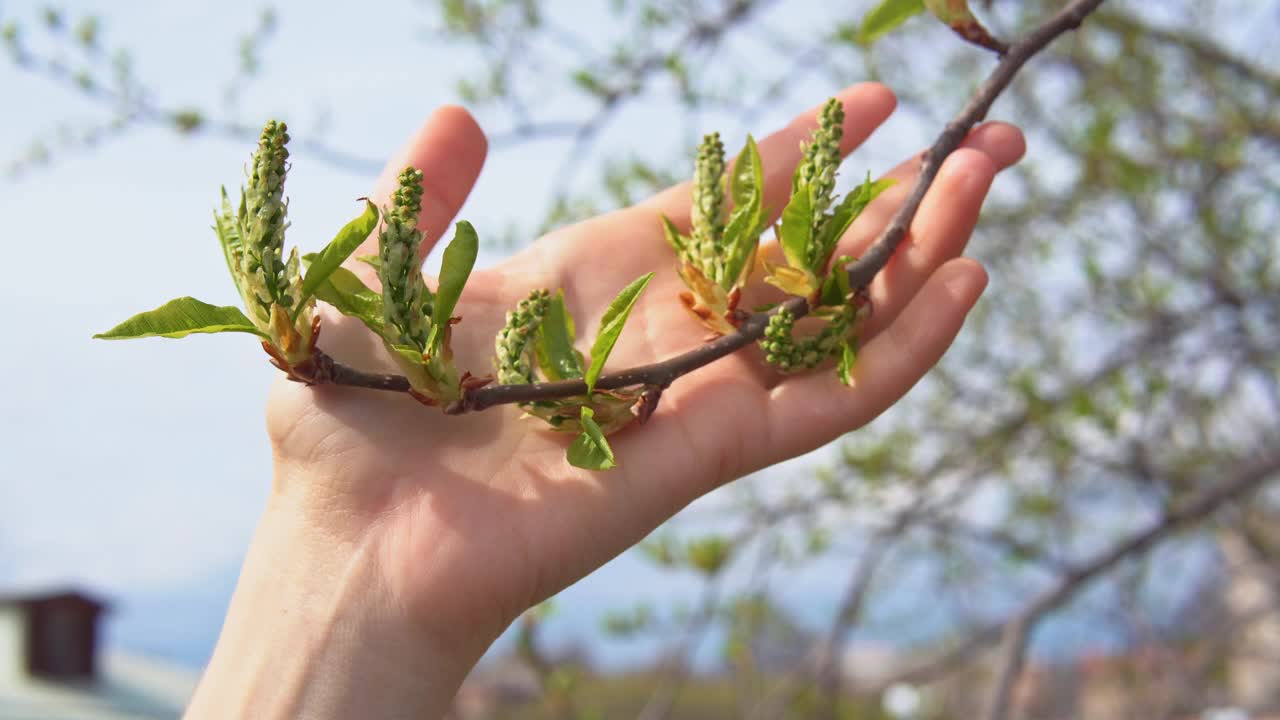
[[51, 667]]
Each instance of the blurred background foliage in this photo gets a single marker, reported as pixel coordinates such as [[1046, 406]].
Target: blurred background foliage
[[1123, 366]]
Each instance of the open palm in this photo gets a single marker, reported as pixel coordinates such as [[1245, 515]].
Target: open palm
[[472, 519]]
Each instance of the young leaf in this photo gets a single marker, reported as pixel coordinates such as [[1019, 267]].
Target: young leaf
[[741, 239], [742, 234], [748, 174], [228, 230], [182, 317], [344, 291], [455, 268], [590, 450], [886, 16], [554, 348], [337, 251], [409, 354], [790, 280], [835, 289], [676, 240], [611, 327], [796, 230], [845, 213], [957, 16], [844, 366]]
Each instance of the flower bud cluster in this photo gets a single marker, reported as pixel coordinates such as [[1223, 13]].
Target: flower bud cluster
[[822, 157], [791, 355], [706, 216], [405, 297], [262, 219], [514, 365]]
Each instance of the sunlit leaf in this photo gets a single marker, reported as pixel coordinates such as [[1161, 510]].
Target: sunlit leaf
[[615, 317], [337, 251], [455, 268], [590, 450], [182, 317]]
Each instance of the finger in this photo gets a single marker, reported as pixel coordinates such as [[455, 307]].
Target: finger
[[939, 232], [866, 106], [808, 411], [449, 148], [1001, 142], [943, 224]]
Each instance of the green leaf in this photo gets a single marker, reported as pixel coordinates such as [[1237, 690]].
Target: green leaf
[[372, 261], [748, 174], [835, 289], [709, 555], [351, 297], [554, 349], [742, 239], [742, 234], [845, 213], [228, 231], [409, 354], [848, 357], [957, 15], [182, 317], [590, 450], [337, 252], [886, 16], [674, 238], [611, 327], [455, 268], [796, 230]]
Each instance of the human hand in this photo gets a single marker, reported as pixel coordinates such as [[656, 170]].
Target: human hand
[[422, 536]]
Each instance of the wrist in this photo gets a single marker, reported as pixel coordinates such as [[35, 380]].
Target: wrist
[[316, 630]]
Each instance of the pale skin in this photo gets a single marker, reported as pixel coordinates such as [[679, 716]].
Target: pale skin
[[398, 543]]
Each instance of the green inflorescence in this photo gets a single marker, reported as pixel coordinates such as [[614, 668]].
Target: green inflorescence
[[512, 346], [821, 159], [262, 220], [706, 216], [788, 354], [406, 301]]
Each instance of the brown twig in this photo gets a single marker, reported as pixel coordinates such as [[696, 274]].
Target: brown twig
[[861, 273]]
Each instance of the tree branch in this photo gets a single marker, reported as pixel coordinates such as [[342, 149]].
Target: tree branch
[[1251, 477], [861, 273]]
